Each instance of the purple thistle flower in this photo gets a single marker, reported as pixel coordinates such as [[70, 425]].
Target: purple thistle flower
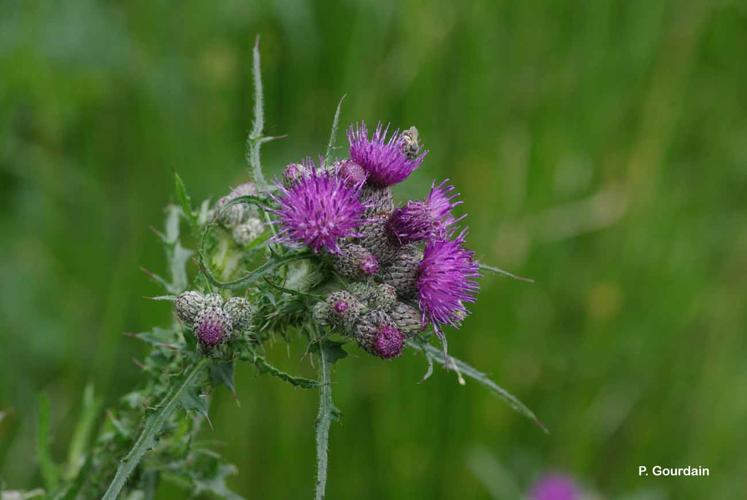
[[446, 280], [384, 160], [422, 220], [555, 487], [318, 210], [389, 342]]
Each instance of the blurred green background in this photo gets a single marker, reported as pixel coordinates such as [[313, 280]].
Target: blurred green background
[[600, 147]]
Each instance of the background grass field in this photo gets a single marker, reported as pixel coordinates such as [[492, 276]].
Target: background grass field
[[600, 147]]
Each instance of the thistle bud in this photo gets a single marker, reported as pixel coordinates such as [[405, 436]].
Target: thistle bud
[[292, 173], [239, 310], [188, 306], [351, 172], [213, 300], [212, 326], [383, 297], [376, 333], [375, 238], [411, 143], [355, 262], [407, 319], [402, 273], [248, 231], [320, 313], [377, 199], [235, 214], [343, 310]]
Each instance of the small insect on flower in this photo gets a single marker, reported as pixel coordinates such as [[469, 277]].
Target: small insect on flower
[[426, 219], [446, 280], [318, 210], [411, 143], [384, 160]]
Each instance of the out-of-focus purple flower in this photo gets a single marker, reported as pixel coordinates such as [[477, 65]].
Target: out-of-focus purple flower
[[426, 219], [446, 281], [318, 210], [384, 160], [555, 487]]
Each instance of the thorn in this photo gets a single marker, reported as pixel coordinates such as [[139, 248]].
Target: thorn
[[256, 41], [138, 363]]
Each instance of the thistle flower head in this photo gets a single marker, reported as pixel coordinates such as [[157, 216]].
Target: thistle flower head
[[446, 280], [188, 305], [389, 342], [426, 219], [355, 262], [212, 325], [384, 160], [377, 334], [318, 210]]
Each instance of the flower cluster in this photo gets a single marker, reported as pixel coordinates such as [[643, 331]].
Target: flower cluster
[[403, 268], [212, 319]]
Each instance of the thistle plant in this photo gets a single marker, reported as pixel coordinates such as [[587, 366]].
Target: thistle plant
[[324, 252]]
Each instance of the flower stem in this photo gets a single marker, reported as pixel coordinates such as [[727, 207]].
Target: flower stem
[[324, 418], [153, 425]]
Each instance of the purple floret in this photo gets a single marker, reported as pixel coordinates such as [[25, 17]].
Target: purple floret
[[384, 160], [446, 281], [389, 342], [426, 219], [212, 326], [318, 210]]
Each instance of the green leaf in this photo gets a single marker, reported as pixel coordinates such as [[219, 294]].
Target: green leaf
[[152, 427], [49, 470], [432, 353], [186, 203], [192, 400], [222, 373]]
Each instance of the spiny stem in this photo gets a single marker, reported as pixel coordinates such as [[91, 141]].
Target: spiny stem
[[153, 425], [323, 421], [255, 139]]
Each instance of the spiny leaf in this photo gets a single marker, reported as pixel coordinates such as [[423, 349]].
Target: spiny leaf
[[153, 425], [221, 373], [333, 133], [249, 354], [498, 270], [433, 353], [186, 203]]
